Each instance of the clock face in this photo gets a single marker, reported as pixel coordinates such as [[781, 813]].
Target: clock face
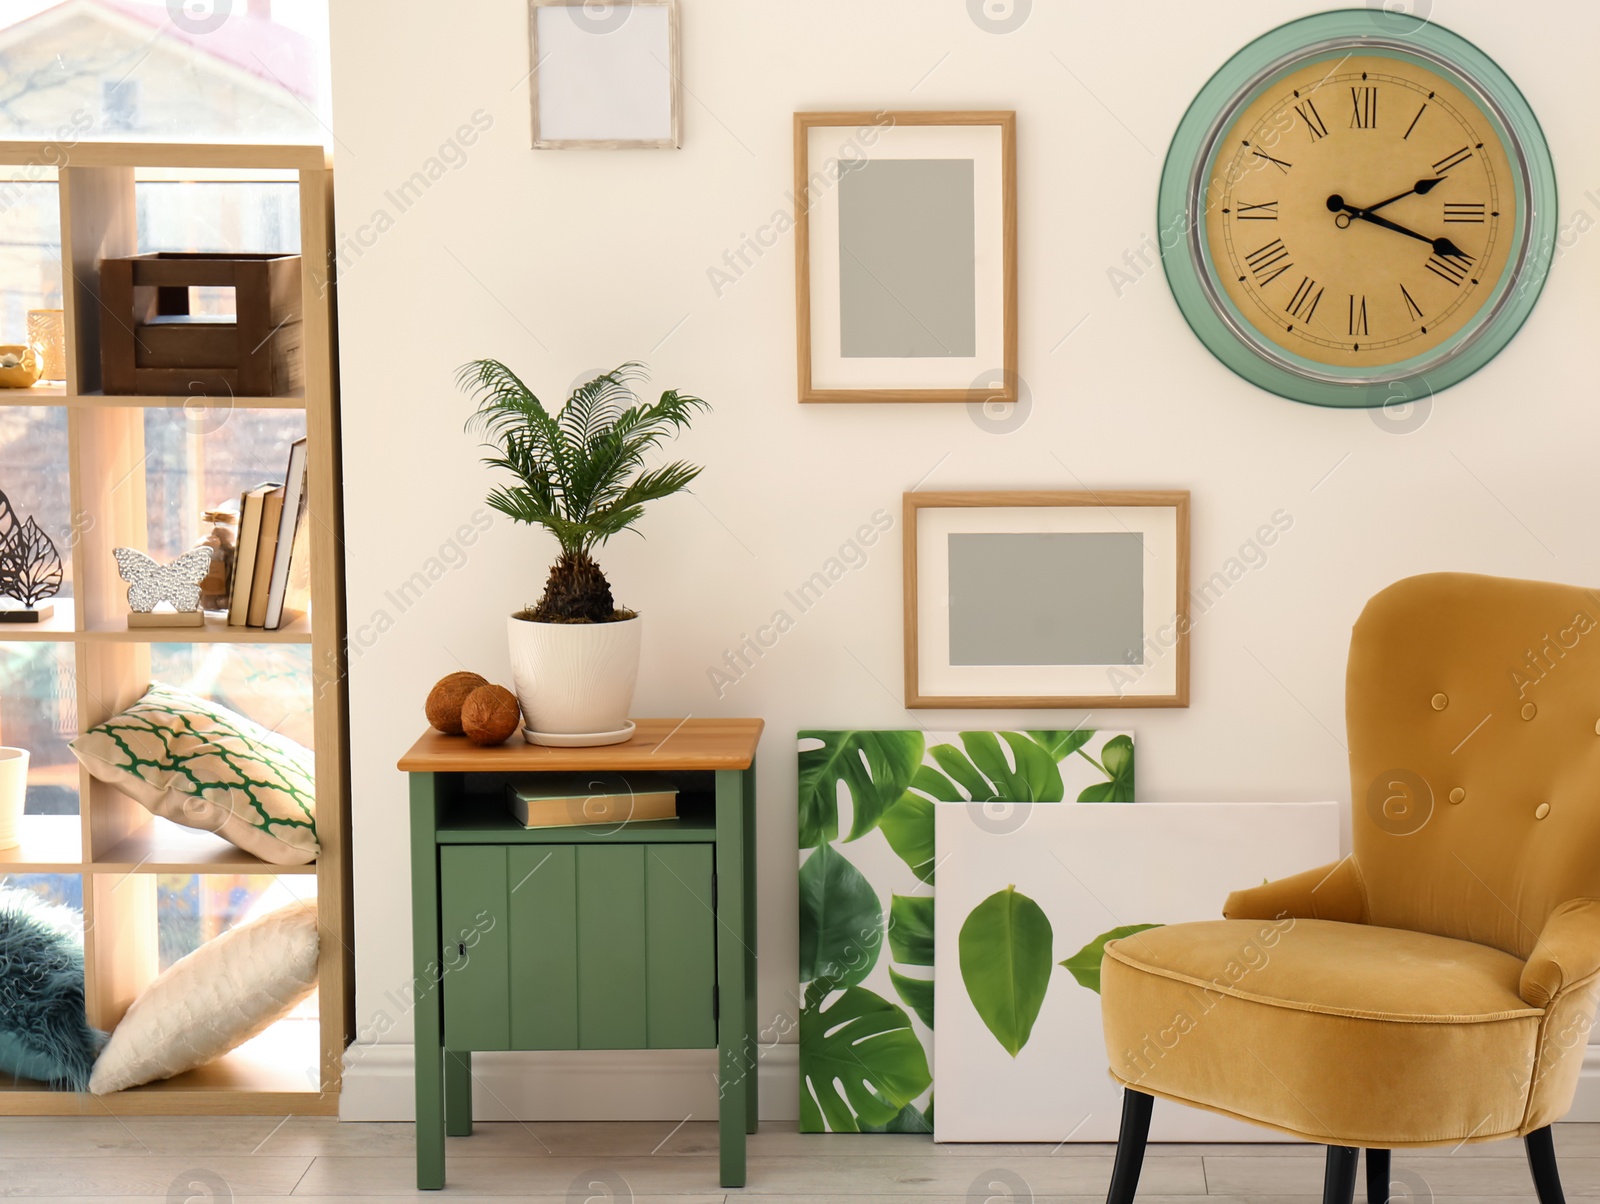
[[1360, 211]]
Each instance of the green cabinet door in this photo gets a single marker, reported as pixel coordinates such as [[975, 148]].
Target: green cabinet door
[[475, 932], [544, 946], [594, 946], [611, 953], [680, 936]]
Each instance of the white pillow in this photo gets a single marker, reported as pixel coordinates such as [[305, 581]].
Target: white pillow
[[213, 1000]]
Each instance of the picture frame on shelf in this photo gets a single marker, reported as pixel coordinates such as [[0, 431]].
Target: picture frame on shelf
[[605, 77], [906, 256], [1046, 599]]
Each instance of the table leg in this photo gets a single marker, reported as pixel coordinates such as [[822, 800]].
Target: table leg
[[752, 1095], [733, 1068], [457, 1093], [427, 971]]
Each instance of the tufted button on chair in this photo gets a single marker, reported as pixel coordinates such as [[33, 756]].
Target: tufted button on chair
[[1438, 985]]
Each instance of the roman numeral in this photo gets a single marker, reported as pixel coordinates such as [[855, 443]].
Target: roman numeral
[[1269, 262], [1313, 119], [1358, 316], [1443, 166], [1364, 105], [1278, 163], [1449, 268], [1304, 302], [1412, 307], [1267, 211], [1464, 211], [1414, 121]]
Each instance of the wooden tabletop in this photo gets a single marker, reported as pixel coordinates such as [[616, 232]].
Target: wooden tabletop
[[662, 744]]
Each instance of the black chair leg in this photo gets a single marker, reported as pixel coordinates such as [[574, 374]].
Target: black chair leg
[[1378, 1177], [1542, 1160], [1339, 1181], [1136, 1109]]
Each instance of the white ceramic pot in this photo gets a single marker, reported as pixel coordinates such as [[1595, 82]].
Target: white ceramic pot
[[575, 678], [13, 792]]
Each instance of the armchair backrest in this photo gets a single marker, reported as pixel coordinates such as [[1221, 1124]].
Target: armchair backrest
[[1473, 710]]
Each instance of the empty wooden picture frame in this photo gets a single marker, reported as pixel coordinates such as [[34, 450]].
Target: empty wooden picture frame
[[1047, 599], [605, 76], [906, 256]]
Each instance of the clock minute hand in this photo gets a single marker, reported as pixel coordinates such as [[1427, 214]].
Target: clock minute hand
[[1420, 188], [1441, 246]]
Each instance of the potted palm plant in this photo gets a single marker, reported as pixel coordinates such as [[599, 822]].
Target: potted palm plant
[[580, 474]]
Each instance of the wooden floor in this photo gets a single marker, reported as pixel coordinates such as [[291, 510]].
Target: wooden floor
[[237, 1160]]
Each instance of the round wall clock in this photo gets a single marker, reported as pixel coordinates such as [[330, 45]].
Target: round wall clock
[[1359, 209]]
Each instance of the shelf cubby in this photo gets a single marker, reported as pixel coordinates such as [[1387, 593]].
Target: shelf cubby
[[116, 846]]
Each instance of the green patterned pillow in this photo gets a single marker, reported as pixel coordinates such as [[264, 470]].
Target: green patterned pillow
[[201, 765]]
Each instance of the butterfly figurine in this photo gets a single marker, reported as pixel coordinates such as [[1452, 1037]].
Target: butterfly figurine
[[150, 584]]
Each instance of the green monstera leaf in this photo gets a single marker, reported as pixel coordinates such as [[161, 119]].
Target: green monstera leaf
[[911, 929], [908, 1120], [1116, 762], [876, 767], [864, 1044], [908, 827], [915, 993], [1084, 965], [1005, 947], [1061, 745], [841, 920], [981, 770]]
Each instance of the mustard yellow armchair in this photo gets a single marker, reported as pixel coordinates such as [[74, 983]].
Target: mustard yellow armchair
[[1438, 985]]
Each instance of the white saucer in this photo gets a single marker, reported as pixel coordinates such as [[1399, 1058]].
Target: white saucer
[[579, 739]]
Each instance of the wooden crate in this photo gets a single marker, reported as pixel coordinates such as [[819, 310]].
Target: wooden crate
[[157, 347]]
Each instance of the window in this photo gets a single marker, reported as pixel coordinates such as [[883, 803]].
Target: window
[[165, 70]]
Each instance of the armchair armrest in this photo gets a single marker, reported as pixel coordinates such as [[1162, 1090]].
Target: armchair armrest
[[1567, 952], [1330, 892]]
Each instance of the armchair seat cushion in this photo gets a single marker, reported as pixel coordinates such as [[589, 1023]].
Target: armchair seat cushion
[[1332, 1032]]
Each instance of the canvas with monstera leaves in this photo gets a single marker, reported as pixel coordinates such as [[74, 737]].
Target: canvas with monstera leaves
[[867, 870]]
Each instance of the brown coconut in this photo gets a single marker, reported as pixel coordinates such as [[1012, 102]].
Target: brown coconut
[[444, 700], [490, 714]]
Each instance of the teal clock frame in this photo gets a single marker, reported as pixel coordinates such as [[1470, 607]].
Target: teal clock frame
[[1190, 163]]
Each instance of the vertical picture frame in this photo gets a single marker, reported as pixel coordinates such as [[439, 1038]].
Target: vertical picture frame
[[906, 256], [1046, 599], [605, 77]]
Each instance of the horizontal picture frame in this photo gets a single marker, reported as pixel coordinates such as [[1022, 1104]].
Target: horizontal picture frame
[[605, 77], [1046, 599], [906, 256]]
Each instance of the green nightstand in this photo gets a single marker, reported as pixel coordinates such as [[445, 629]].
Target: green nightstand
[[633, 937]]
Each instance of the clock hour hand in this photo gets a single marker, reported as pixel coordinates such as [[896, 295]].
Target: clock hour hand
[[1441, 246]]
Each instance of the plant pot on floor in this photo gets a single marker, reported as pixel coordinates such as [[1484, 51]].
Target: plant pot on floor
[[575, 680], [13, 795]]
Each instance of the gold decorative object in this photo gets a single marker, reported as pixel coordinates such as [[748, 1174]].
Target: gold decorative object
[[47, 335], [19, 366]]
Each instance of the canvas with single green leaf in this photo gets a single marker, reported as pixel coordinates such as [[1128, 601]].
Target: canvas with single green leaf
[[1022, 922], [867, 869]]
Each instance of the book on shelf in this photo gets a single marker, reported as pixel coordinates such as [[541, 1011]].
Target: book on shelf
[[289, 590], [266, 548], [557, 800], [251, 505]]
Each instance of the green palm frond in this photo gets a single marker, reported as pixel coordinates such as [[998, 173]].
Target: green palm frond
[[579, 473]]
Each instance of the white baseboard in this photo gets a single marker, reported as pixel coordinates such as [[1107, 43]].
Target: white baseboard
[[578, 1085], [635, 1085]]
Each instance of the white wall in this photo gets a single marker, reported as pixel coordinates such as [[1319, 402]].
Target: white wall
[[561, 263]]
